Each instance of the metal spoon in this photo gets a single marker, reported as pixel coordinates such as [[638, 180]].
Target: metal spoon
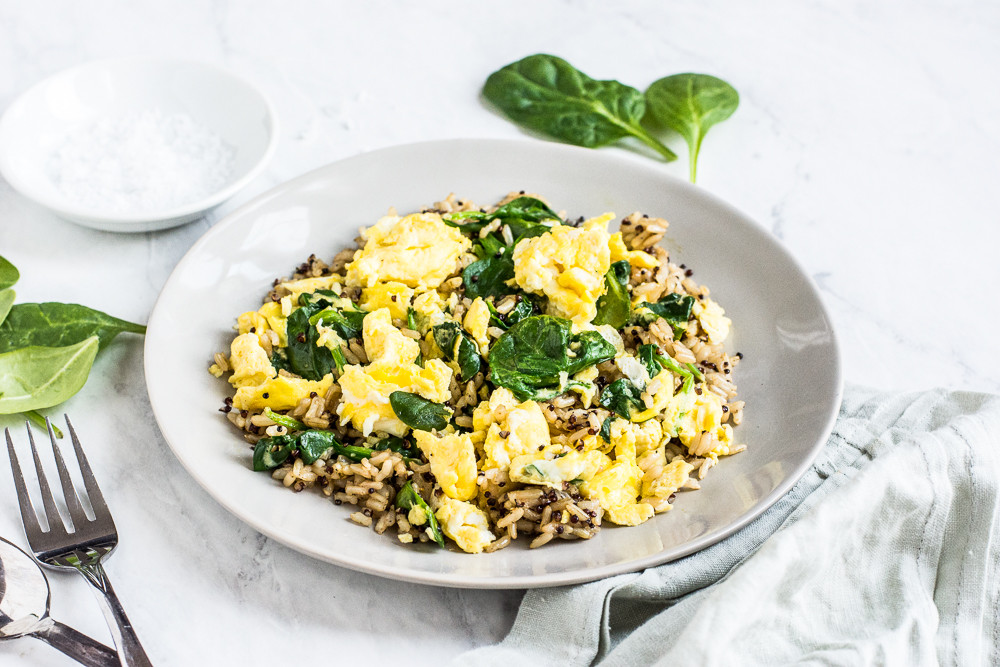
[[24, 610]]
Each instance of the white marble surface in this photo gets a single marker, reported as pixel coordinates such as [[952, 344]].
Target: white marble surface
[[866, 140]]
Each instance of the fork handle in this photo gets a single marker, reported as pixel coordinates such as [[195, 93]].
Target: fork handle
[[76, 645], [130, 651]]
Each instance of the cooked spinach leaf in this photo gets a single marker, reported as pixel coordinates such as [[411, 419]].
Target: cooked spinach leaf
[[548, 95], [623, 398], [533, 356], [605, 432], [408, 498], [38, 377], [690, 104], [9, 274], [488, 276], [615, 306], [419, 413], [404, 446], [674, 308], [59, 325], [458, 346], [520, 214], [270, 453], [306, 358], [522, 309]]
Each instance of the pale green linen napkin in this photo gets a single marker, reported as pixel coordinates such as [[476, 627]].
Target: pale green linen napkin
[[886, 552]]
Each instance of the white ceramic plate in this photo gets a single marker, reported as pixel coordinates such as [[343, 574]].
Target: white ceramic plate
[[790, 376], [71, 101]]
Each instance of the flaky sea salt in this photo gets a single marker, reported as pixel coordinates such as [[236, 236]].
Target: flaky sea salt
[[141, 163]]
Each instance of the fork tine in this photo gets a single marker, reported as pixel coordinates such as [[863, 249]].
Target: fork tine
[[72, 500], [89, 481], [48, 502], [28, 517]]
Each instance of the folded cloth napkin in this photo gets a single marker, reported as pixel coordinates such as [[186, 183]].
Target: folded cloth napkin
[[885, 552]]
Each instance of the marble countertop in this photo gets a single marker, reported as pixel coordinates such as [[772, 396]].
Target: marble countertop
[[866, 141]]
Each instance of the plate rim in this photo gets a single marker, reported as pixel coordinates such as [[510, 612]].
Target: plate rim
[[444, 579]]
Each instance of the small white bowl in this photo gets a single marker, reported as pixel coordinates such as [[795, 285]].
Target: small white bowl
[[41, 120]]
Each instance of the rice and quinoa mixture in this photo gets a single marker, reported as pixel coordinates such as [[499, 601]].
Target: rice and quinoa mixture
[[478, 374]]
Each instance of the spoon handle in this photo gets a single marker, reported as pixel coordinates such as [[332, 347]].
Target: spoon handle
[[77, 645]]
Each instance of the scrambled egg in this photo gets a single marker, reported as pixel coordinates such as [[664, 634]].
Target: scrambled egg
[[544, 469], [366, 389], [279, 393], [616, 488], [477, 320], [520, 428], [674, 476], [588, 390], [428, 310], [465, 523], [567, 265], [712, 319], [636, 258], [631, 440], [392, 295], [705, 416], [257, 384], [453, 462], [310, 285], [271, 312], [419, 251], [249, 361]]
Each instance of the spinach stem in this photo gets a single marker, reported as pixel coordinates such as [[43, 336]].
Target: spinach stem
[[651, 141], [36, 418], [695, 148]]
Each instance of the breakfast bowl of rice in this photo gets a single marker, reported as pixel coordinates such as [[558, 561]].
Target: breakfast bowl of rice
[[514, 364]]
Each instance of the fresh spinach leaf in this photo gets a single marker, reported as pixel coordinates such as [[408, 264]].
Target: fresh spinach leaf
[[59, 325], [37, 377], [623, 398], [615, 306], [548, 95], [7, 297], [458, 346], [270, 453], [419, 413], [408, 498], [305, 358], [532, 356], [9, 274], [690, 104]]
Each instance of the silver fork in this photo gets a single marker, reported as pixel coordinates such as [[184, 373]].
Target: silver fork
[[83, 548]]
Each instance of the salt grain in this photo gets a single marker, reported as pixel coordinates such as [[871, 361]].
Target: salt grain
[[140, 163]]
